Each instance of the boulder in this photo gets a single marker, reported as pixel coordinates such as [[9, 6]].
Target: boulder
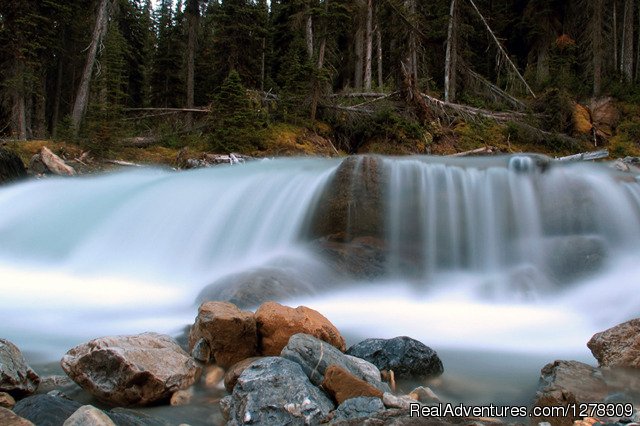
[[88, 415], [251, 288], [369, 370], [16, 377], [569, 258], [568, 382], [11, 166], [131, 370], [407, 357], [342, 385], [6, 400], [46, 410], [316, 356], [358, 408], [229, 332], [9, 418], [275, 391], [232, 374], [277, 323], [362, 257], [352, 203], [618, 346]]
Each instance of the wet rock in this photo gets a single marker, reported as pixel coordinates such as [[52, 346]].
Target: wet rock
[[214, 376], [618, 346], [181, 397], [249, 289], [9, 418], [231, 376], [11, 166], [56, 382], [88, 415], [6, 400], [277, 323], [572, 257], [131, 370], [342, 385], [230, 333], [407, 357], [46, 410], [362, 257], [316, 356], [352, 203], [424, 395], [16, 377], [358, 408], [274, 391], [568, 382]]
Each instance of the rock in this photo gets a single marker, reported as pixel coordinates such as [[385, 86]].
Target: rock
[[581, 120], [201, 351], [352, 204], [214, 375], [88, 415], [57, 382], [181, 397], [369, 370], [407, 357], [55, 164], [569, 258], [403, 418], [605, 114], [252, 288], [46, 410], [11, 166], [275, 391], [9, 418], [357, 408], [230, 332], [315, 357], [424, 395], [362, 257], [16, 377], [342, 385], [568, 382], [131, 370], [277, 323], [127, 417], [232, 374], [6, 400], [392, 401], [618, 346]]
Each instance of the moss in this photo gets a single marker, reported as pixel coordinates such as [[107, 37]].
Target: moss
[[290, 140]]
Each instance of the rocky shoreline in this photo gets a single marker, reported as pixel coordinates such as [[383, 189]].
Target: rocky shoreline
[[283, 365]]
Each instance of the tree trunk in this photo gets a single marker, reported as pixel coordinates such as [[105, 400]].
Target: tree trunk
[[357, 76], [412, 53], [18, 109], [368, 52], [379, 56], [626, 66], [597, 46], [82, 97], [309, 35], [451, 59], [321, 52], [40, 106], [615, 34], [192, 23], [56, 101]]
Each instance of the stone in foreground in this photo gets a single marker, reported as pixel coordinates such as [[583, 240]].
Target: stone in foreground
[[131, 370], [46, 410], [358, 408], [229, 332], [342, 385], [407, 357], [9, 418], [277, 323], [275, 391], [618, 346], [88, 415], [16, 377]]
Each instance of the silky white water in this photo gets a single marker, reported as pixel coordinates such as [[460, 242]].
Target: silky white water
[[476, 260]]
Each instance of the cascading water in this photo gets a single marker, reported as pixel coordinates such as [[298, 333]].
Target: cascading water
[[505, 254]]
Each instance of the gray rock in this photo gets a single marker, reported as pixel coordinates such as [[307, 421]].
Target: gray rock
[[359, 407], [275, 391], [368, 369], [315, 356], [88, 415], [16, 377], [131, 370], [46, 410], [128, 417], [407, 357], [569, 258]]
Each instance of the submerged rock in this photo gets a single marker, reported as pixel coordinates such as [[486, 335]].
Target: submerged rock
[[362, 257], [16, 377], [11, 166], [407, 357], [316, 356], [277, 323], [229, 334], [131, 370], [275, 391], [618, 346], [569, 258]]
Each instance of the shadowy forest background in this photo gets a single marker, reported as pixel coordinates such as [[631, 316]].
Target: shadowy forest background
[[322, 76]]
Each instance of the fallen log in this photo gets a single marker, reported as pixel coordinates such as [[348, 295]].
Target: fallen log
[[55, 164], [585, 156], [197, 110], [123, 163], [139, 141], [483, 150]]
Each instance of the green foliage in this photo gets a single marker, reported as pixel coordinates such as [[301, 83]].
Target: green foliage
[[555, 107]]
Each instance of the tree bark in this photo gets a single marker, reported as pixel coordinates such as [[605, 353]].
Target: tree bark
[[40, 107], [379, 56], [82, 97], [321, 53], [192, 23], [615, 34], [597, 46], [309, 35], [368, 52], [18, 109], [412, 53], [357, 76], [451, 59], [56, 101], [626, 66]]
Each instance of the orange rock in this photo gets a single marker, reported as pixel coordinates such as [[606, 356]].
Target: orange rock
[[581, 120], [343, 385], [230, 332], [277, 323]]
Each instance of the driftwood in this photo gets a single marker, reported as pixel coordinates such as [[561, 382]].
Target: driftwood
[[468, 112], [483, 150], [55, 164], [139, 141], [197, 110], [585, 156], [123, 163]]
